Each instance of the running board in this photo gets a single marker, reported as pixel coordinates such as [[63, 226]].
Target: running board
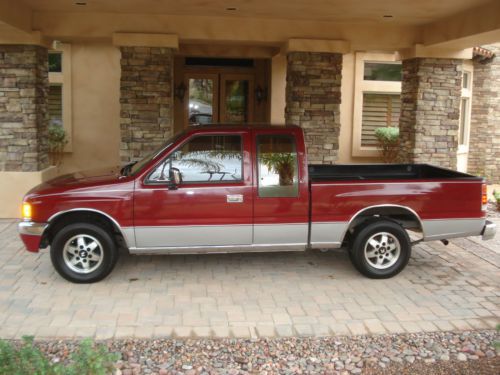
[[226, 249]]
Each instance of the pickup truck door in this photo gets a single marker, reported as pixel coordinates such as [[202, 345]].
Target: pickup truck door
[[211, 207], [281, 207]]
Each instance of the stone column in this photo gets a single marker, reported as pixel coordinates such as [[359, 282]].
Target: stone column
[[23, 108], [146, 115], [313, 101], [430, 110], [484, 139]]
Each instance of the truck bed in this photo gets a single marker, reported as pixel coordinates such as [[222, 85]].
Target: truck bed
[[340, 172]]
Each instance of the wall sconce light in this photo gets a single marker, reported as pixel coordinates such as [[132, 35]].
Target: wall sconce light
[[180, 91], [260, 94]]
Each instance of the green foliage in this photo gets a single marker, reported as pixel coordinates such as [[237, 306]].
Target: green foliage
[[388, 134], [383, 72], [282, 163], [25, 360], [208, 160], [89, 359], [57, 138], [57, 141], [496, 194], [55, 62], [388, 141]]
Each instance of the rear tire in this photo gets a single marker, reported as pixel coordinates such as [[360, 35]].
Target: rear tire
[[381, 249], [83, 253]]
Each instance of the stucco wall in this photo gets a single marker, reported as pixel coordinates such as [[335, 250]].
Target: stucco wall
[[96, 107], [15, 185], [278, 85]]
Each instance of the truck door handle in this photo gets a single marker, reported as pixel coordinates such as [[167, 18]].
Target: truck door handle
[[234, 198]]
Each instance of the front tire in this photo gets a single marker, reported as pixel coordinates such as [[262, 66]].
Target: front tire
[[381, 249], [83, 253]]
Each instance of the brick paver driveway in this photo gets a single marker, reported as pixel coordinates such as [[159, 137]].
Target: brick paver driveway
[[443, 288]]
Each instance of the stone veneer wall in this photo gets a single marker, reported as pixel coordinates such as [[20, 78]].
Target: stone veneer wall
[[484, 140], [430, 111], [23, 108], [313, 101], [145, 99]]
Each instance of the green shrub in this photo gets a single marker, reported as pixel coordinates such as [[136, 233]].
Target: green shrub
[[57, 141], [89, 359], [57, 138], [25, 360], [496, 194], [388, 141], [388, 134]]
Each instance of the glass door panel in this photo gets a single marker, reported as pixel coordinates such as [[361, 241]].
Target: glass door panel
[[236, 98], [202, 105]]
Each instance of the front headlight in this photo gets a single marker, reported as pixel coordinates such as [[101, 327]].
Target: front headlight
[[27, 211]]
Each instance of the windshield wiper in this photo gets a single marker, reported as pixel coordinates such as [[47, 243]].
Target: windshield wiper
[[127, 168]]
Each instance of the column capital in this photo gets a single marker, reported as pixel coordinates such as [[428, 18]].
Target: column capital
[[316, 45], [421, 51], [34, 38], [145, 40]]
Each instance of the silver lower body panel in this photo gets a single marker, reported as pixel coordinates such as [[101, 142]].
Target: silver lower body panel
[[217, 249], [444, 229]]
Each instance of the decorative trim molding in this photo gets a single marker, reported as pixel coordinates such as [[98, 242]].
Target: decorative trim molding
[[145, 40], [419, 50], [316, 45]]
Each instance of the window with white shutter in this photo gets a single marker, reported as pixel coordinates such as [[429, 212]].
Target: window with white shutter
[[379, 110], [59, 95], [377, 99]]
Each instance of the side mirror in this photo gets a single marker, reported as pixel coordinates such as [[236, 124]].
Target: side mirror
[[175, 178]]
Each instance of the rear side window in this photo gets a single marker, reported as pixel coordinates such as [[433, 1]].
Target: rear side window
[[277, 166], [213, 158]]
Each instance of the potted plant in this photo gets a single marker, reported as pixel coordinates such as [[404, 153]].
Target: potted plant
[[57, 141], [388, 141], [281, 163]]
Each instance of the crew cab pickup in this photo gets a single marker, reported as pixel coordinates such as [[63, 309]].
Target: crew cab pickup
[[213, 189]]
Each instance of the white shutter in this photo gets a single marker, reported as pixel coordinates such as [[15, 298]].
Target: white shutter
[[55, 105], [379, 110]]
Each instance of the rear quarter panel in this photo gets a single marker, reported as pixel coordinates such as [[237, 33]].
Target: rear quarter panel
[[445, 208]]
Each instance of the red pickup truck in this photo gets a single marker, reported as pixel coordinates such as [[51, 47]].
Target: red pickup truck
[[214, 189]]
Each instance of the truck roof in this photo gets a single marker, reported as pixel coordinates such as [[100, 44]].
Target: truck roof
[[250, 126]]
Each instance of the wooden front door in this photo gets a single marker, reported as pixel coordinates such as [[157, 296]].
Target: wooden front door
[[236, 98], [218, 98]]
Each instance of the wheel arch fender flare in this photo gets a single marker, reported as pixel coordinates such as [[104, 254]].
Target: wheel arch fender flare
[[128, 238], [385, 211]]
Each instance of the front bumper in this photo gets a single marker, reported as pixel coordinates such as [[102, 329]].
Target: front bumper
[[489, 230], [31, 234]]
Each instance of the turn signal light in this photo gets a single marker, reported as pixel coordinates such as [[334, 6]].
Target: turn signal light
[[26, 210], [484, 197]]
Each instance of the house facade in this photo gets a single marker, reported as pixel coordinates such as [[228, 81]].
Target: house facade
[[122, 77]]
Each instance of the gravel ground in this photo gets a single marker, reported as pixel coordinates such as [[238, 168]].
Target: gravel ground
[[422, 353]]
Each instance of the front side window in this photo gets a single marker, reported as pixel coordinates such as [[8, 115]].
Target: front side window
[[277, 166], [214, 158]]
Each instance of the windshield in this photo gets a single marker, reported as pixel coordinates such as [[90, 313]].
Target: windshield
[[137, 166]]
